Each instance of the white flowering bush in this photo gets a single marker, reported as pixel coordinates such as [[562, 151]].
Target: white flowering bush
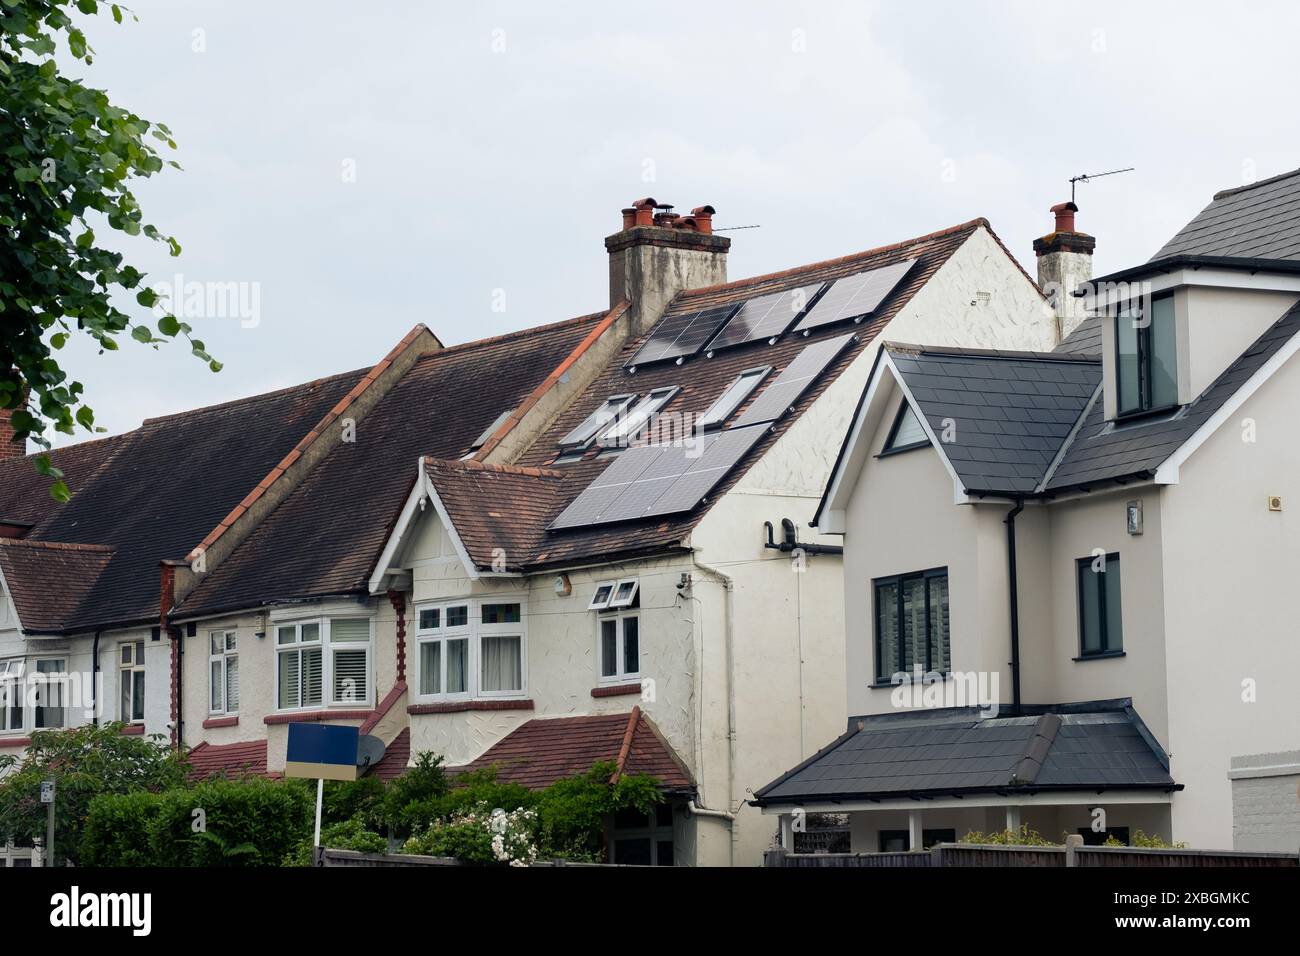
[[481, 835]]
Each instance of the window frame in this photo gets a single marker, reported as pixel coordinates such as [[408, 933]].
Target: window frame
[[609, 413], [621, 674], [42, 684], [898, 580], [716, 415], [137, 665], [12, 683], [596, 603], [327, 647], [1084, 566], [223, 658], [1144, 357], [627, 428], [472, 631], [889, 448], [616, 602]]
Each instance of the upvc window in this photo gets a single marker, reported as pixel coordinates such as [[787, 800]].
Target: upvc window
[[314, 655], [49, 708], [619, 648], [1100, 629], [912, 624], [907, 432], [11, 694], [223, 672], [732, 398], [131, 681], [1146, 370], [469, 649]]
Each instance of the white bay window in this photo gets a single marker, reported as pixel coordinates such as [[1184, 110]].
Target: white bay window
[[324, 655], [470, 649]]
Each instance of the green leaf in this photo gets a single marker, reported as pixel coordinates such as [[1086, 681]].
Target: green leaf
[[59, 491], [86, 239], [142, 334], [147, 298], [86, 417], [168, 325], [58, 340], [117, 13], [215, 365]]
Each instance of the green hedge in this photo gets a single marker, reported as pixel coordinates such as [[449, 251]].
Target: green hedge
[[252, 822]]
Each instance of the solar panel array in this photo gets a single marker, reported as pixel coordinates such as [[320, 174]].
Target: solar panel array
[[677, 336], [765, 317], [651, 480], [781, 395], [855, 296]]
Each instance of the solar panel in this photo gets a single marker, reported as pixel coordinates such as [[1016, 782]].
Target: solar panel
[[681, 335], [650, 480], [855, 296], [765, 317], [778, 397]]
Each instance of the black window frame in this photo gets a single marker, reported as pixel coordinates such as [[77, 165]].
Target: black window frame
[[883, 835], [1145, 352], [1083, 566], [889, 447], [898, 580], [932, 835]]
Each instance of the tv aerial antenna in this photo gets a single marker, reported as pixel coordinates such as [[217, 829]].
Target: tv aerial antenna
[[1089, 177]]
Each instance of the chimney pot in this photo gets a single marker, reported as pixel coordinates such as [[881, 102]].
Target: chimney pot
[[703, 216], [629, 217], [1064, 216], [645, 212]]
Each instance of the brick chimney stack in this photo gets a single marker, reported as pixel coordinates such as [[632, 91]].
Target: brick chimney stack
[[1064, 264], [657, 253], [10, 447]]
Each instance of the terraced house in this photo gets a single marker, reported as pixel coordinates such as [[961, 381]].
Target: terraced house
[[1112, 519], [577, 542]]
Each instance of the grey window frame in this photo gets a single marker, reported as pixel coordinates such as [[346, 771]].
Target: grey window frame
[[897, 580], [1084, 566], [1145, 404]]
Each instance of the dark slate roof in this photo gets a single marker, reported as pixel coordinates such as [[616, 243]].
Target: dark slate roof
[[546, 749], [1008, 412], [932, 753], [1108, 451], [1259, 221], [1084, 340], [25, 492], [153, 493], [701, 380], [324, 539], [48, 581]]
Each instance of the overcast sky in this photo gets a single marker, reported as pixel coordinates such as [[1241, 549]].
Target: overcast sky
[[362, 167]]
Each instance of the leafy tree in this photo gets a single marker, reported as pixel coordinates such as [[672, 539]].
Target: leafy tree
[[84, 763], [70, 159]]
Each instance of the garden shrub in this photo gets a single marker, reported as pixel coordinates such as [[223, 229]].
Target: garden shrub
[[345, 835], [117, 829], [253, 822]]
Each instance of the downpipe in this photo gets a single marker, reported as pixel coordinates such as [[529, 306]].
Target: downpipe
[[1013, 596], [728, 587]]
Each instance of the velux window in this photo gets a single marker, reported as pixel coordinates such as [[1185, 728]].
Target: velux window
[[734, 396], [131, 681], [223, 672], [470, 649], [1146, 369], [625, 431], [912, 624], [907, 431], [611, 411], [1100, 630], [327, 653]]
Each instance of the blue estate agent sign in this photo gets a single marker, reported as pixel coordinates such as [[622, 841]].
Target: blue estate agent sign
[[323, 751]]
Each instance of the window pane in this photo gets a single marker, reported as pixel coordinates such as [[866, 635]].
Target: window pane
[[350, 676], [289, 680], [631, 645], [908, 431], [632, 852], [914, 625], [311, 676], [232, 641], [285, 635], [458, 666], [137, 695], [349, 630], [310, 633], [501, 669], [1164, 364], [49, 695], [428, 618], [457, 616], [1127, 373], [214, 643], [216, 683], [126, 653], [500, 613], [1114, 626], [1089, 607], [940, 656], [886, 631], [608, 648], [431, 667], [663, 853], [124, 712], [232, 684]]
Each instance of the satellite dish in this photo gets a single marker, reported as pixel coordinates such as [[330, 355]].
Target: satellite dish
[[370, 750]]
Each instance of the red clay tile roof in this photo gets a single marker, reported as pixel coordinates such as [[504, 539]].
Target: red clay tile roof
[[48, 581], [396, 755], [324, 538], [230, 760], [546, 749], [701, 381], [158, 490]]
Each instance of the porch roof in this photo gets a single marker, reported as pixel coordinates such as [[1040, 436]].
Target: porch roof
[[953, 752]]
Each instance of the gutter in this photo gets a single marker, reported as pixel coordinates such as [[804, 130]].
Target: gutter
[[1014, 602], [728, 586]]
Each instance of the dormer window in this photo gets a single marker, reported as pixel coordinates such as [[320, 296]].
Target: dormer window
[[1146, 371], [907, 433]]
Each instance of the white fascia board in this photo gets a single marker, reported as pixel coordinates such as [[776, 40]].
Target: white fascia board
[[1167, 473], [1207, 276]]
